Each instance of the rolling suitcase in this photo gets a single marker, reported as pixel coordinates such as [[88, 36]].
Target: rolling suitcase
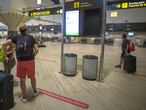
[[130, 64], [6, 91]]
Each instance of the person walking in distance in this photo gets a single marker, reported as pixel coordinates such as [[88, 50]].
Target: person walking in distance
[[124, 47], [26, 49]]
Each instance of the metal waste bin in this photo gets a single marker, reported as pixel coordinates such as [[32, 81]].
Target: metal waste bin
[[90, 67], [70, 64]]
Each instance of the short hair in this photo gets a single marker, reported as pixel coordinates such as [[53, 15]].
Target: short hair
[[124, 36]]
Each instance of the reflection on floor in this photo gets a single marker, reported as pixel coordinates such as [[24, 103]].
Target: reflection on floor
[[120, 91]]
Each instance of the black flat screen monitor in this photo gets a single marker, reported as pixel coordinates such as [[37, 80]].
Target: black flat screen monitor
[[92, 22]]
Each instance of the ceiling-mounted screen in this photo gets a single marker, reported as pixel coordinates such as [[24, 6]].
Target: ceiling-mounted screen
[[92, 22], [130, 34], [72, 23]]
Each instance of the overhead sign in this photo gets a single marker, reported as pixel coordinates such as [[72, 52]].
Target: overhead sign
[[76, 4], [80, 4], [83, 4], [45, 12], [127, 5]]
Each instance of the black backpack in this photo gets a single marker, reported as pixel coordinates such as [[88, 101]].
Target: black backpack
[[23, 46]]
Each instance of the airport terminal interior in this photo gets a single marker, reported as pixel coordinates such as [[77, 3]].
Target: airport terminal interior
[[79, 46]]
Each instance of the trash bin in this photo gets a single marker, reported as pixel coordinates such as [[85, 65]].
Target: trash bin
[[70, 64], [90, 67]]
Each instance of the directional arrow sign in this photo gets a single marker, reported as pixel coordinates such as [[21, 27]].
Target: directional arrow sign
[[118, 5]]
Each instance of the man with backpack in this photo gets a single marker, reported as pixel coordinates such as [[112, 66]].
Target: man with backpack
[[26, 49]]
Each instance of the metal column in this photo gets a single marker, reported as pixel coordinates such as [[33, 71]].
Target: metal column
[[62, 39], [103, 39]]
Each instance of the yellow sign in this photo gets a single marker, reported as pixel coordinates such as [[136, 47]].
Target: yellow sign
[[124, 5], [76, 4], [114, 14], [118, 5], [41, 13], [58, 11], [127, 5]]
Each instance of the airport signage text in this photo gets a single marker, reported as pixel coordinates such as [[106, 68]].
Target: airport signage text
[[127, 5], [80, 4], [44, 12]]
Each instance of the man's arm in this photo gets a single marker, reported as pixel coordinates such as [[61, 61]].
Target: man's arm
[[36, 49]]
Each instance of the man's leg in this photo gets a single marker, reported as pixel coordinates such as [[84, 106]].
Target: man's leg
[[33, 83], [21, 73], [121, 60], [23, 87], [31, 75]]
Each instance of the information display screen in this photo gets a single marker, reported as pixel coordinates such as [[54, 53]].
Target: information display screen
[[72, 23], [130, 34]]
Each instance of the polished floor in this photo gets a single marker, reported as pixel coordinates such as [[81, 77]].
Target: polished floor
[[119, 91]]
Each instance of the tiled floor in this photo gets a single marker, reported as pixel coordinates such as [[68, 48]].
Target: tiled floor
[[120, 91]]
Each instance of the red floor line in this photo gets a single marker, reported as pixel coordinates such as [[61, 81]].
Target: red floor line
[[65, 99]]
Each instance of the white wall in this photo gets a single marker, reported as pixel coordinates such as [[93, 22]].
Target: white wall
[[56, 18], [119, 35], [135, 15]]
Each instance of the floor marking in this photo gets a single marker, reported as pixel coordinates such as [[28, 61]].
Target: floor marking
[[65, 99]]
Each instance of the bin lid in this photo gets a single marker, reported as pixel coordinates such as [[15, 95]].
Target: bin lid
[[70, 54], [90, 57]]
